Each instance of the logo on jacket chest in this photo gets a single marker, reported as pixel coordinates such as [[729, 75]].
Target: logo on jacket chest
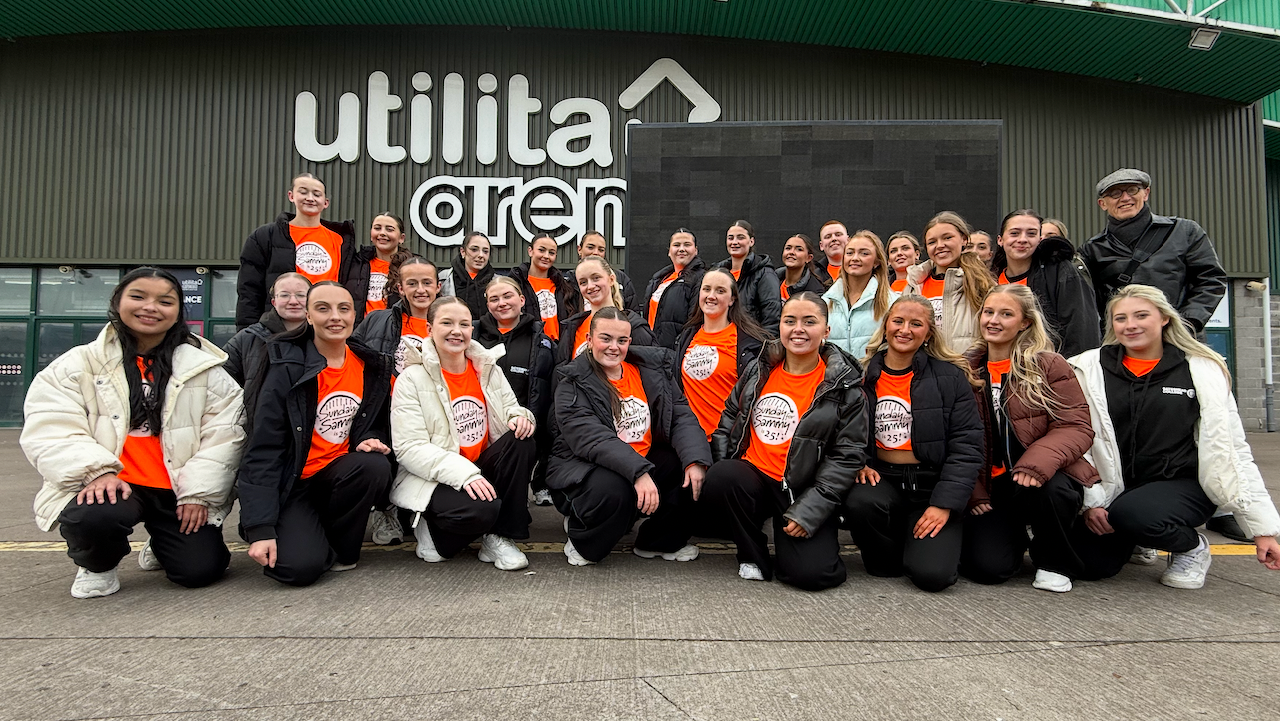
[[334, 415], [775, 418], [1188, 392], [701, 361]]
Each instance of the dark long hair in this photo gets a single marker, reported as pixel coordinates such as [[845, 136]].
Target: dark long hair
[[402, 258], [737, 313], [607, 313], [158, 361]]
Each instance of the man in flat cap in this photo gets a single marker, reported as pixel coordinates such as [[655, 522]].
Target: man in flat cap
[[1172, 254]]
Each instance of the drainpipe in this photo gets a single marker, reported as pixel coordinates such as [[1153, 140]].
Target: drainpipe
[[1266, 355]]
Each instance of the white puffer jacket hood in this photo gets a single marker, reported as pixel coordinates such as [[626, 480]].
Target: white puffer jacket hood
[[959, 319]]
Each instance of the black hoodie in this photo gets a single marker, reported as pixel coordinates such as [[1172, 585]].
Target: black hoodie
[[528, 363], [1155, 416]]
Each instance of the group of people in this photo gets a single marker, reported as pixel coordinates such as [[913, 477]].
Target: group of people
[[951, 413]]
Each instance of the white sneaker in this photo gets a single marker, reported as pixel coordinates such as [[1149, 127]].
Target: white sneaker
[[1187, 570], [386, 527], [1050, 581], [92, 585], [147, 560], [542, 498], [1143, 556], [688, 553], [340, 567], [750, 572], [502, 553], [575, 558], [426, 546]]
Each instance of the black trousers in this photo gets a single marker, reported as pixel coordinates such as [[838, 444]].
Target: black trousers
[[602, 508], [744, 498], [322, 521], [542, 438], [98, 536], [455, 519], [881, 519], [994, 542]]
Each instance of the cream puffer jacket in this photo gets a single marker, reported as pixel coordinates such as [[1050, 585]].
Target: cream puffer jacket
[[959, 320], [1227, 472], [77, 418], [422, 431]]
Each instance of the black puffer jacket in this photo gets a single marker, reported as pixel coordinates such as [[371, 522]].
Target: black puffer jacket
[[640, 334], [1185, 267], [759, 290], [748, 351], [676, 303], [357, 281], [1065, 296], [380, 330], [470, 290], [624, 282], [286, 415], [947, 433], [568, 301], [809, 281], [586, 435], [247, 359], [829, 445], [270, 251], [528, 363]]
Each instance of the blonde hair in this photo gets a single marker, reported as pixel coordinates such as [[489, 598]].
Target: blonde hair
[[977, 277], [615, 292], [1026, 378], [1175, 332], [503, 280], [880, 272], [934, 344]]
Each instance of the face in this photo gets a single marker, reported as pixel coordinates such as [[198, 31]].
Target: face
[[290, 299], [1138, 324], [833, 240], [504, 303], [542, 254], [715, 298], [595, 283], [902, 253], [475, 254], [385, 234], [1122, 202], [451, 329], [1001, 320], [943, 243], [332, 313], [1021, 237], [418, 286], [907, 327], [609, 342], [307, 196], [591, 246], [980, 245], [1049, 230], [803, 327], [860, 257], [795, 254], [149, 307], [739, 242], [682, 250]]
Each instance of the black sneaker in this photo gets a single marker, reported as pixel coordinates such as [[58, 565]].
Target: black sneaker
[[1227, 526]]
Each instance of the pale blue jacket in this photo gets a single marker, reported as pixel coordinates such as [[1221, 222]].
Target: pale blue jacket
[[851, 328]]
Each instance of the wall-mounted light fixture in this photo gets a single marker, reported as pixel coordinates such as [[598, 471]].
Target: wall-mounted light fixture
[[1204, 38]]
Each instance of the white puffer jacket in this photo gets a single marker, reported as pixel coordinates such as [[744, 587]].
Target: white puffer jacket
[[1227, 472], [959, 320], [77, 418], [422, 430]]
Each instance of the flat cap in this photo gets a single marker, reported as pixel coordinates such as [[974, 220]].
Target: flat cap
[[1123, 176]]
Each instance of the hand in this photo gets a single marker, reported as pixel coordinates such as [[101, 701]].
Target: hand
[[1268, 552], [264, 552], [694, 475], [522, 427], [1026, 480], [372, 445], [480, 490], [931, 522], [102, 488], [868, 475], [795, 530], [646, 495], [1096, 520], [980, 509], [193, 517]]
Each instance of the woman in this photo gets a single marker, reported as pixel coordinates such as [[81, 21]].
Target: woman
[[860, 296], [798, 273], [549, 294], [368, 281], [1038, 431], [470, 273], [673, 291], [528, 362], [719, 342], [1045, 265], [318, 457], [755, 275], [905, 512], [1168, 444], [404, 325], [787, 448], [464, 445], [904, 252], [626, 444], [139, 426], [598, 285], [1052, 227], [980, 245], [954, 282], [247, 350]]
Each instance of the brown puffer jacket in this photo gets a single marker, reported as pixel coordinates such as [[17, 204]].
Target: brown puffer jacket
[[1053, 442]]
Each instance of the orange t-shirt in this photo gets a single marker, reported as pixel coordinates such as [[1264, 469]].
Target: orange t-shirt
[[709, 370], [1140, 367], [413, 331], [580, 337], [1015, 280], [317, 252], [893, 410], [736, 273], [544, 289], [997, 370], [786, 294], [470, 414], [339, 394], [898, 285], [833, 271], [783, 401], [634, 425], [142, 455], [657, 296], [932, 289], [377, 297]]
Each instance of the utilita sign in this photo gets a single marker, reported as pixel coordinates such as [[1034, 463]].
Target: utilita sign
[[445, 207]]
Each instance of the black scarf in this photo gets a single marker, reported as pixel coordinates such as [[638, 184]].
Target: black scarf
[[1129, 231]]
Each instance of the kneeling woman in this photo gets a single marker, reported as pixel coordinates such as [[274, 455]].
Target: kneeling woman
[[139, 426], [626, 443], [789, 444], [464, 445], [318, 459], [1168, 444], [905, 510]]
